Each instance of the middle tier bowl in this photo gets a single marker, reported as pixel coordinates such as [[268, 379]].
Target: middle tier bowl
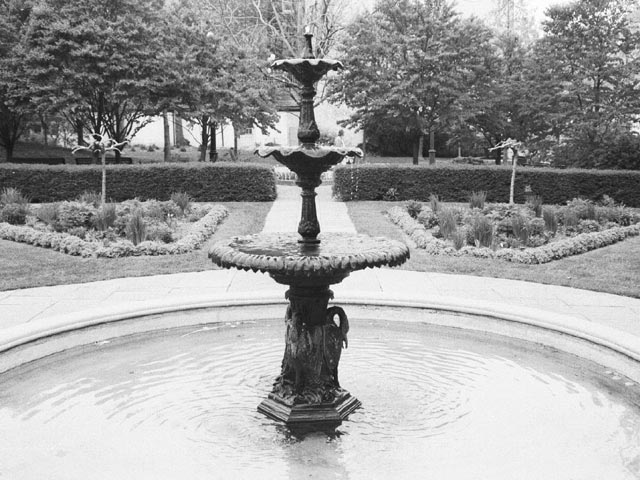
[[309, 159]]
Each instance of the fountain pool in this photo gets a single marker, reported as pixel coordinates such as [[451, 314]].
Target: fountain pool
[[180, 402]]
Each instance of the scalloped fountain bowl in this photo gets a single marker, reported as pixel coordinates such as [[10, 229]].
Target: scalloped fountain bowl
[[171, 392]]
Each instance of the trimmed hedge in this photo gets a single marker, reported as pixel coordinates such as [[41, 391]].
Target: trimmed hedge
[[204, 182], [455, 183]]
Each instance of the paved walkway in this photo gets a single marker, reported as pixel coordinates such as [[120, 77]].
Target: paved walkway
[[285, 214], [38, 304]]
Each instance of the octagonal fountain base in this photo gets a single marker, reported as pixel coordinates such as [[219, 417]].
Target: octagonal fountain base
[[330, 414]]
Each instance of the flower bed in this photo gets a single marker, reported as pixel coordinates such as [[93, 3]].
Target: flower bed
[[512, 236], [131, 228]]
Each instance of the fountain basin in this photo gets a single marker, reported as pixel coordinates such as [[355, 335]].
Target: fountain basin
[[403, 335]]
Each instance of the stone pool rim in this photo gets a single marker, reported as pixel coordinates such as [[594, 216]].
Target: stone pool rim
[[602, 344]]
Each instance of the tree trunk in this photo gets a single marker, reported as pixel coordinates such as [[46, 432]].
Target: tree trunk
[[213, 148], [432, 147], [79, 133], [364, 144], [420, 148], [45, 130], [499, 156], [104, 178], [417, 143], [167, 136], [513, 176], [204, 138], [8, 148]]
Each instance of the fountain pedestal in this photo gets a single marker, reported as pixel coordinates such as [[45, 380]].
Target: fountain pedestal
[[308, 390]]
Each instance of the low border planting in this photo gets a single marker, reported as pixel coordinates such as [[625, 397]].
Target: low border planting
[[454, 183], [581, 243], [199, 232]]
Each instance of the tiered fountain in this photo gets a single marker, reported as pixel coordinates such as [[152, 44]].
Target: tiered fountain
[[307, 392]]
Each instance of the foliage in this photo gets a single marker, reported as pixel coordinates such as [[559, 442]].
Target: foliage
[[477, 199], [588, 65], [203, 182], [182, 200], [105, 217], [434, 203], [12, 195], [136, 228], [92, 198], [482, 230], [535, 204], [453, 183], [414, 208], [448, 222], [17, 107], [96, 61], [412, 67], [73, 245], [550, 220], [543, 254], [14, 213]]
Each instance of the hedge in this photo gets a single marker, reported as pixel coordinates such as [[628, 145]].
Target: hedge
[[204, 182], [455, 183]]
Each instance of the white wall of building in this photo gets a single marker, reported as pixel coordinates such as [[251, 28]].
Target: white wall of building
[[285, 133]]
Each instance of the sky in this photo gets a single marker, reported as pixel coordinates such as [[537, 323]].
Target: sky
[[482, 8]]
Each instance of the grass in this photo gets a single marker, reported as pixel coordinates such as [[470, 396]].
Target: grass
[[613, 269], [23, 266]]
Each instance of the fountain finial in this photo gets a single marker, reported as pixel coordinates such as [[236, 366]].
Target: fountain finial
[[309, 46]]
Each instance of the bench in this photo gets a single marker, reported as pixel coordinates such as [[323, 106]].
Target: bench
[[39, 160], [108, 161]]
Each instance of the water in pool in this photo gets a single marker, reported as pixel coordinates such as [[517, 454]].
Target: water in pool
[[437, 403]]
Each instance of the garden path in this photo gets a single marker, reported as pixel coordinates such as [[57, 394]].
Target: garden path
[[285, 213]]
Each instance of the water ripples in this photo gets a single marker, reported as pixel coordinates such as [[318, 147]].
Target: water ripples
[[204, 385]]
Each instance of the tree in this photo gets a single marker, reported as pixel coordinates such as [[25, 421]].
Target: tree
[[16, 107], [589, 71], [214, 79], [413, 65], [95, 61]]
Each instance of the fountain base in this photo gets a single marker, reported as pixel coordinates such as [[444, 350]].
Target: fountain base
[[331, 413]]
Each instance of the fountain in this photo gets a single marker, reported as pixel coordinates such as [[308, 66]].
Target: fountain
[[451, 387], [308, 392]]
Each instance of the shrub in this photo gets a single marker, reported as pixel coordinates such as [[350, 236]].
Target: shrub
[[159, 232], [434, 203], [391, 195], [92, 198], [482, 230], [428, 218], [447, 222], [569, 218], [584, 209], [48, 214], [535, 204], [550, 220], [75, 214], [136, 228], [105, 217], [459, 238], [520, 228], [477, 199], [12, 195], [14, 213], [204, 182], [414, 208], [453, 183], [182, 200]]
